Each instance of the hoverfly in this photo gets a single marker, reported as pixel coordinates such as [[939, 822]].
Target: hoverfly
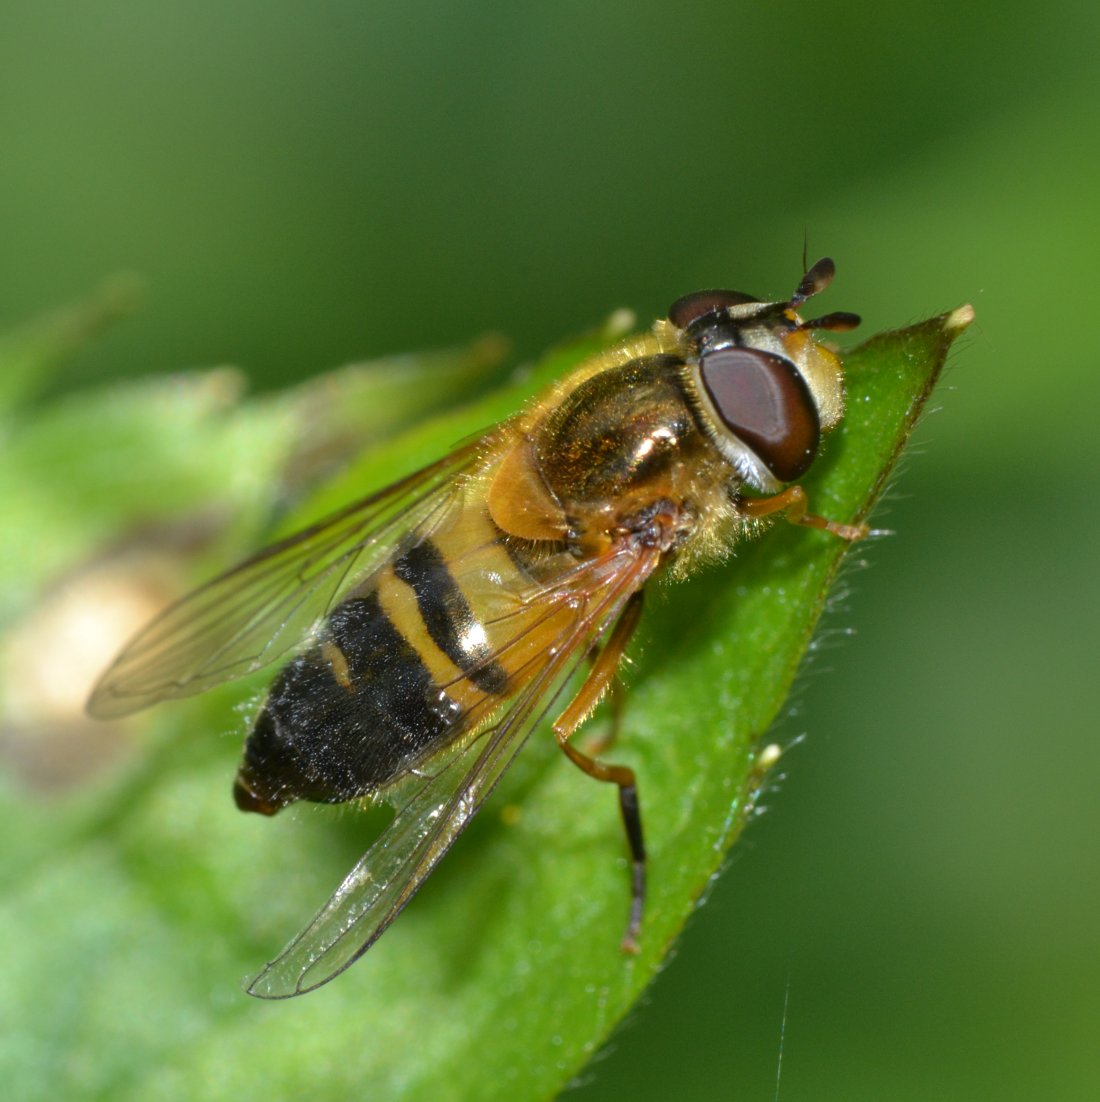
[[432, 625]]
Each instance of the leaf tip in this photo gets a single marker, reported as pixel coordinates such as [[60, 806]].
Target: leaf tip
[[959, 319]]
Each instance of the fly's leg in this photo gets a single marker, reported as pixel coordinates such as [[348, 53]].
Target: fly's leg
[[616, 702], [792, 501], [599, 678], [616, 691]]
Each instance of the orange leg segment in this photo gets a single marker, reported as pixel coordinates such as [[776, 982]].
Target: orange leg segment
[[793, 502], [595, 685]]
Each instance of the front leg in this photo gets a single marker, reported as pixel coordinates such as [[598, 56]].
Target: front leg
[[792, 501]]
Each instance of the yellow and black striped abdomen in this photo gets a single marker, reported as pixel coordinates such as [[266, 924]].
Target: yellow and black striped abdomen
[[415, 657]]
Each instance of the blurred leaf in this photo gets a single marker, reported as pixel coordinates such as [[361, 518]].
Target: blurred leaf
[[97, 465], [30, 354], [185, 457], [343, 412], [130, 915]]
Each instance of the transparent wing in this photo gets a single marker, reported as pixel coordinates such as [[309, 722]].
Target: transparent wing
[[247, 618], [436, 803]]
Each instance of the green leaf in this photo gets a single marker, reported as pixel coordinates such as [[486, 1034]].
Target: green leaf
[[131, 913], [29, 355]]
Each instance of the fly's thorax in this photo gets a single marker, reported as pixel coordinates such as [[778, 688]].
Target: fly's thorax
[[620, 433], [614, 454]]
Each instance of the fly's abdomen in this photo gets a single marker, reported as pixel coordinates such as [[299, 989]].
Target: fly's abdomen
[[412, 660], [447, 619]]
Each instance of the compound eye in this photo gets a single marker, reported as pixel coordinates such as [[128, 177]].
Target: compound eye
[[698, 304], [764, 402]]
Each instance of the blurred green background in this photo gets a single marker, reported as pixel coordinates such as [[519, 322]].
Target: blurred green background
[[304, 185]]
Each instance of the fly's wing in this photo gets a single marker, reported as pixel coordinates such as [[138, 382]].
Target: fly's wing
[[252, 615], [436, 803]]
